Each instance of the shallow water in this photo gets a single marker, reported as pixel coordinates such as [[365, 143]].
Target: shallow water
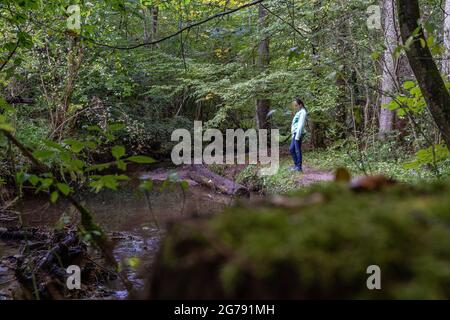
[[136, 221]]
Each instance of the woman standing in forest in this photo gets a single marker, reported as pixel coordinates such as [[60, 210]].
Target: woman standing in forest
[[298, 131]]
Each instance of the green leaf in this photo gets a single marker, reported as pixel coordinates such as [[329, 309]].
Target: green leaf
[[118, 152], [90, 144], [99, 167], [409, 85], [375, 56], [5, 106], [75, 145], [141, 159], [121, 165], [25, 39], [97, 185], [53, 144], [46, 183], [116, 127], [6, 127], [110, 182], [423, 43], [54, 196], [64, 188], [122, 177], [21, 177], [43, 154], [94, 128], [33, 179], [430, 41], [146, 185], [184, 185], [134, 262]]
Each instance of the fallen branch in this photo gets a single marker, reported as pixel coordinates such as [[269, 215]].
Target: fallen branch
[[19, 234]]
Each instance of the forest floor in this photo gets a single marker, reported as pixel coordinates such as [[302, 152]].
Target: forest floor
[[313, 175]]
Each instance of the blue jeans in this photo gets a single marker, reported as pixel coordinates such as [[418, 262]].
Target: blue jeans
[[296, 152]]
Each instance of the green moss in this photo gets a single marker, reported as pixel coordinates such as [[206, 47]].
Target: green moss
[[322, 250]]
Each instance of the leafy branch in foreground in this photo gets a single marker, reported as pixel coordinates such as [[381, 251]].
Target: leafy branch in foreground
[[67, 156], [50, 182]]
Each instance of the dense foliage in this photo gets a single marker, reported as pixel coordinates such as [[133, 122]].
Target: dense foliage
[[322, 51]]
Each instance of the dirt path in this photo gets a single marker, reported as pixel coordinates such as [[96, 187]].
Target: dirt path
[[312, 175]]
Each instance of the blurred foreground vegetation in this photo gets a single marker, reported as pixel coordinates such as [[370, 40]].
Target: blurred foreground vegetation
[[315, 244]]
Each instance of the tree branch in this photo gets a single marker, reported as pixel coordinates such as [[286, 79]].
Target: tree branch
[[188, 27], [10, 55], [87, 220]]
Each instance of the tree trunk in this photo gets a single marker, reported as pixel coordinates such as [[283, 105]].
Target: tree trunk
[[343, 48], [389, 74], [424, 67], [446, 61], [145, 15], [263, 105], [74, 60], [155, 12]]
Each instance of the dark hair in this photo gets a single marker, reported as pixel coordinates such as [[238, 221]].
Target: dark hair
[[300, 102]]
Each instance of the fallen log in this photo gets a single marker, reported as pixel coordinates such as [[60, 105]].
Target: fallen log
[[21, 234], [20, 100], [59, 252], [202, 175]]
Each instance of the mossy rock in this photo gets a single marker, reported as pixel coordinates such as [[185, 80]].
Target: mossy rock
[[314, 245]]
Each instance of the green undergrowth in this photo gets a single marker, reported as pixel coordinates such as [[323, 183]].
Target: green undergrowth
[[371, 164], [316, 244], [282, 182]]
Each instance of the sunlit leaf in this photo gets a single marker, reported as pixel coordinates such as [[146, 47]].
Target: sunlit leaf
[[54, 196], [118, 152], [64, 188], [141, 159]]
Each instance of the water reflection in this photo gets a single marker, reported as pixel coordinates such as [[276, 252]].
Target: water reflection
[[134, 220]]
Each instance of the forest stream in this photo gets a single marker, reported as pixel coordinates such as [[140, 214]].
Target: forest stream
[[134, 220]]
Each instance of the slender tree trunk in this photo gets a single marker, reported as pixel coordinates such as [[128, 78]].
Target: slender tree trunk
[[74, 61], [446, 61], [263, 105], [389, 73], [145, 15], [424, 67], [155, 13], [318, 126], [343, 101]]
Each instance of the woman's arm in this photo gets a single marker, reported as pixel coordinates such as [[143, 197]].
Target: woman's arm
[[301, 125]]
